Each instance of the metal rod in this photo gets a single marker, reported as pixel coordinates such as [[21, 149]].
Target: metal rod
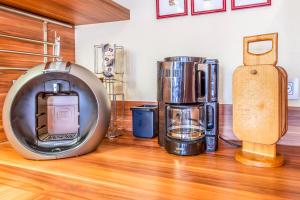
[[54, 47], [14, 68], [26, 39], [13, 10], [96, 62], [45, 33], [27, 53]]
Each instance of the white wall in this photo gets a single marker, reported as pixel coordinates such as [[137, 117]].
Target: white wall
[[216, 35]]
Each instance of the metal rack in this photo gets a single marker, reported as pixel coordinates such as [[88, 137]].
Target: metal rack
[[45, 43], [56, 44], [115, 85], [14, 68]]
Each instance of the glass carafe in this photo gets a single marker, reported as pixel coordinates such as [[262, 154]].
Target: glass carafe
[[185, 123]]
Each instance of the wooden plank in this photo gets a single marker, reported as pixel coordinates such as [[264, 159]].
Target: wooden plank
[[2, 134], [121, 171], [7, 192], [76, 12], [50, 186], [6, 79]]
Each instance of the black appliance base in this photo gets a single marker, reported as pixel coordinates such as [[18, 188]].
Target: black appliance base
[[185, 148]]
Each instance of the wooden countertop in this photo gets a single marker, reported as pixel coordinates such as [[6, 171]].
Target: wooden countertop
[[129, 168]]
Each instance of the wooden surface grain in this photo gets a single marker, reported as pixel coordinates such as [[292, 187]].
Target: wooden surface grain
[[76, 12], [131, 168]]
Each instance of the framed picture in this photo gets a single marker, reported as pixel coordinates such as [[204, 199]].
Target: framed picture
[[171, 8], [208, 6], [241, 4]]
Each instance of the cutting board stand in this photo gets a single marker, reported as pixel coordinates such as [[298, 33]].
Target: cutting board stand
[[260, 105], [259, 155]]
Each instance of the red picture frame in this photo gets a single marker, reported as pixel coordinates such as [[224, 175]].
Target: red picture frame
[[234, 7], [207, 11], [159, 16]]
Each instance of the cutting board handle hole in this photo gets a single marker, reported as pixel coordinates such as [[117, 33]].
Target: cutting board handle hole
[[254, 72], [260, 47]]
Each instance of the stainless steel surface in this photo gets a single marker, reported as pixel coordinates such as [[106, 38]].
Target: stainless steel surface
[[185, 148], [64, 67], [56, 47], [19, 115], [26, 39], [97, 70], [184, 59], [27, 14], [27, 53], [188, 82], [178, 82], [56, 88], [177, 79]]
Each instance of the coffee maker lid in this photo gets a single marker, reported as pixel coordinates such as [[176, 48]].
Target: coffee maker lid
[[211, 61], [184, 59]]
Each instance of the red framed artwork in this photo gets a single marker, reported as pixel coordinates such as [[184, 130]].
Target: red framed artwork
[[200, 7], [171, 8], [241, 4]]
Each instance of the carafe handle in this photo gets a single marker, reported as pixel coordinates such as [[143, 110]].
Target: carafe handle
[[200, 85], [209, 117], [211, 126]]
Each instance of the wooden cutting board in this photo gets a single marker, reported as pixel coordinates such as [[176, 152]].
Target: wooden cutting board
[[260, 105], [260, 95], [256, 104], [284, 96]]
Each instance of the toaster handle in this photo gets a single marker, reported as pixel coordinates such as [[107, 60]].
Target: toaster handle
[[267, 58]]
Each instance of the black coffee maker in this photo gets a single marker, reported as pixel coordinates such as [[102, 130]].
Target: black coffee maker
[[188, 105]]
